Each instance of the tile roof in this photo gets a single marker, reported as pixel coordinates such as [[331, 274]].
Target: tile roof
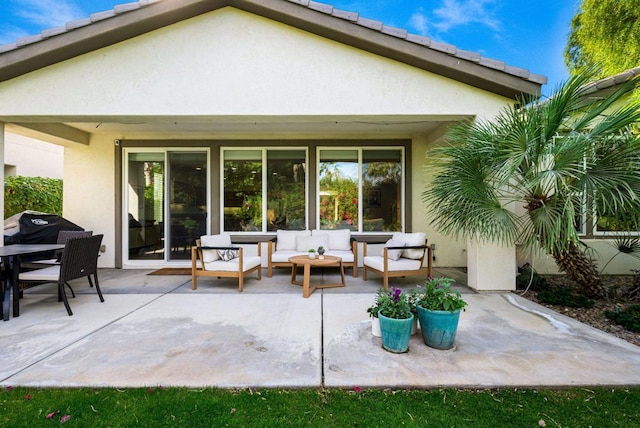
[[352, 18], [612, 81]]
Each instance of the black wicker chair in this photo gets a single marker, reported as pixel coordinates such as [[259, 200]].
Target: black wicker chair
[[79, 259]]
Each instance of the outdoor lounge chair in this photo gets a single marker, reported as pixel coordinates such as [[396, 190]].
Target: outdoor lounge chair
[[218, 258], [402, 255], [79, 259]]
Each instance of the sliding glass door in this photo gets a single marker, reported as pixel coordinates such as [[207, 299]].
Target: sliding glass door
[[166, 203]]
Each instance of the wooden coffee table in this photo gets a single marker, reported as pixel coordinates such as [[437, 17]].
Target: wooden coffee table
[[328, 261]]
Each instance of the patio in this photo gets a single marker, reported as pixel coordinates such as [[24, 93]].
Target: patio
[[155, 330]]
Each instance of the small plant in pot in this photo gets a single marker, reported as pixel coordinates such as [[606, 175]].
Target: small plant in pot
[[438, 308], [396, 320], [312, 253]]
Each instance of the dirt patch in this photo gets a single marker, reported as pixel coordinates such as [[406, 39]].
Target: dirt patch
[[595, 316]]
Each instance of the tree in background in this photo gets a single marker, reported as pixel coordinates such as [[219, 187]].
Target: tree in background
[[32, 193], [606, 34], [524, 177]]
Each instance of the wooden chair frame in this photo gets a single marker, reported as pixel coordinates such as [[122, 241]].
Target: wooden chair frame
[[196, 255], [386, 273]]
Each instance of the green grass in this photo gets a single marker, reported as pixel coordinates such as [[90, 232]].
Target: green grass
[[184, 407]]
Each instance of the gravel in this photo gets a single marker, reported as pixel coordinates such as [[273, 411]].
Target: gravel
[[595, 316]]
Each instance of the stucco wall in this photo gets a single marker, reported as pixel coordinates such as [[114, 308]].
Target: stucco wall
[[233, 63], [32, 158], [88, 198], [603, 251]]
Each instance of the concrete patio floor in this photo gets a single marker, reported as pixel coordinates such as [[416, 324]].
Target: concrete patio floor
[[154, 330]]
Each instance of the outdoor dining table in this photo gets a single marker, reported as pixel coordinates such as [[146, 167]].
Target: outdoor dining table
[[10, 255]]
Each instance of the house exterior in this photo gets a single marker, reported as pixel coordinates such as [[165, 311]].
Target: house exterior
[[181, 118]]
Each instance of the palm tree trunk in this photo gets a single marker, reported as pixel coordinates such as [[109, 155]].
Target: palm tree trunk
[[583, 270]]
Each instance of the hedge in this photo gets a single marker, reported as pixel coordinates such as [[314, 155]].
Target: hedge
[[32, 193]]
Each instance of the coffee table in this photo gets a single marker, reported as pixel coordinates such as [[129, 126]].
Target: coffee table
[[328, 261]]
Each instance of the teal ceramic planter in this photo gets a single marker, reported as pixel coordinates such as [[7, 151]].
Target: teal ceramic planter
[[395, 333], [438, 327]]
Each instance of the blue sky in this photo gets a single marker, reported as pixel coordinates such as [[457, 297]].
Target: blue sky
[[529, 34]]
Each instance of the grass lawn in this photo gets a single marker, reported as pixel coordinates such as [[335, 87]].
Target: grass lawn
[[185, 407]]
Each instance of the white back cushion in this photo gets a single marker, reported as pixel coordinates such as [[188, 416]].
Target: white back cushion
[[305, 243], [287, 238], [222, 240], [339, 239], [411, 239]]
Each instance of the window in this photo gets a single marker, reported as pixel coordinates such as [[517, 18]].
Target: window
[[258, 199], [357, 188], [615, 223], [361, 189]]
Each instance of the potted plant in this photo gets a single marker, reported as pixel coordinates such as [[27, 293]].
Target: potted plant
[[396, 319], [438, 308], [312, 253]]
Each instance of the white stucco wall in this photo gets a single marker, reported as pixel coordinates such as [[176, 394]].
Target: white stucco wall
[[232, 64], [89, 187], [29, 157], [603, 251]]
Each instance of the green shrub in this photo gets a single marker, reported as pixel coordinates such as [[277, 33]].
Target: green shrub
[[564, 297], [32, 193], [524, 277], [629, 318]]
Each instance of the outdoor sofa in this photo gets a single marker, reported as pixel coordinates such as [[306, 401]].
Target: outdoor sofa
[[289, 243]]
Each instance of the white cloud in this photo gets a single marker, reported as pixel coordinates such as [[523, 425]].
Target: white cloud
[[455, 13], [419, 22], [48, 13]]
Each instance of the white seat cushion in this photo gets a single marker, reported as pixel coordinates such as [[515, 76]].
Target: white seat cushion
[[287, 238], [233, 264], [283, 256], [339, 239], [221, 240], [346, 256], [51, 273], [377, 262], [410, 240]]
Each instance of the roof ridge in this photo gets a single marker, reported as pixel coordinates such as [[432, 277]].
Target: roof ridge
[[325, 8]]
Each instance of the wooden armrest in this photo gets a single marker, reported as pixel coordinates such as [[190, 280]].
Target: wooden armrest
[[413, 247]]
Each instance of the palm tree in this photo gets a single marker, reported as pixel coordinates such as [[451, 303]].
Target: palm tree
[[524, 177]]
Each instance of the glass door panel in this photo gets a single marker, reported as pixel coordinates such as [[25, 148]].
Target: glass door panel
[[145, 193], [187, 192]]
